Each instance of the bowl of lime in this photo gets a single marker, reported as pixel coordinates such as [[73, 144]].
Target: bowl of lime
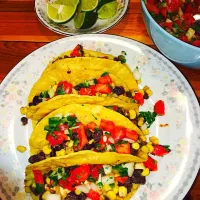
[[73, 17]]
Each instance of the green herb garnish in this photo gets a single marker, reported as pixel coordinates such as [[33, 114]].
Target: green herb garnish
[[148, 116], [40, 188], [105, 74], [91, 179], [122, 142], [112, 185], [44, 94], [122, 171], [71, 121]]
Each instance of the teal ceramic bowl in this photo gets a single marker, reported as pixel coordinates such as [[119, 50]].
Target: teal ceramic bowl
[[173, 48]]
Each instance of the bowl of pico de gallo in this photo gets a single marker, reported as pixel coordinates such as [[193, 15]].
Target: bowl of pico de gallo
[[173, 27]]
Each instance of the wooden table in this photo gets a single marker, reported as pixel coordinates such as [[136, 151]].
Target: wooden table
[[21, 33]]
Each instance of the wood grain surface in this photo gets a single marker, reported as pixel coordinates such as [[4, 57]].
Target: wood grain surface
[[21, 33]]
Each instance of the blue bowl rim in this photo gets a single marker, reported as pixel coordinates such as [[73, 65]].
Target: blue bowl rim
[[165, 32]]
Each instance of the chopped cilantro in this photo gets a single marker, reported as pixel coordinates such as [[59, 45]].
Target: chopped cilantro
[[112, 185], [106, 133], [76, 142], [54, 121], [71, 121], [96, 129], [100, 185], [85, 84], [148, 116], [105, 74], [95, 81], [60, 90], [70, 133], [113, 147], [122, 58], [122, 171], [44, 94], [124, 53], [91, 179], [40, 188], [122, 142]]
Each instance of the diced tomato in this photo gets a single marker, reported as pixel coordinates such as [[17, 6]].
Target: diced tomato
[[139, 98], [184, 38], [152, 8], [169, 25], [80, 174], [161, 150], [173, 5], [101, 145], [56, 138], [121, 180], [115, 108], [64, 88], [88, 91], [151, 164], [38, 176], [152, 1], [67, 185], [77, 51], [159, 107], [189, 8], [92, 126], [82, 135], [63, 127], [123, 148], [95, 171], [107, 125], [105, 80], [118, 134], [196, 43], [103, 89], [131, 134], [93, 195], [163, 11], [188, 19]]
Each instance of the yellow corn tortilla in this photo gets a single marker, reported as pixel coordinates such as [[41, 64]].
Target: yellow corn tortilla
[[80, 158], [85, 113], [121, 71], [75, 77], [41, 110]]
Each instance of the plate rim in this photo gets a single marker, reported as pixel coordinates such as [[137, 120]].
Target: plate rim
[[7, 78]]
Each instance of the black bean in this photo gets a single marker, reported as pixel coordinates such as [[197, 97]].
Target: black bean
[[33, 190], [53, 153], [106, 198], [30, 104], [71, 196], [129, 94], [137, 178], [143, 143], [98, 134], [40, 197], [65, 56], [89, 134], [82, 196], [116, 59], [58, 147], [119, 110], [88, 146], [77, 87], [24, 121], [36, 100], [133, 151], [146, 96], [68, 169], [119, 90], [75, 136], [37, 158], [128, 184]]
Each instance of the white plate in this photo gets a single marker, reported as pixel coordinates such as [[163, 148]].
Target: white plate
[[69, 29], [177, 170]]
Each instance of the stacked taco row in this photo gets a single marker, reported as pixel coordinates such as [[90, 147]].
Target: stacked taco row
[[89, 137]]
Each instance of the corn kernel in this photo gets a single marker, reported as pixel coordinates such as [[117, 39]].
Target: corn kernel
[[145, 172], [27, 189], [48, 180], [111, 195], [149, 143], [60, 153], [106, 188], [145, 149], [91, 141], [149, 92], [46, 149], [69, 150], [116, 189], [135, 146], [143, 138], [70, 143], [27, 182], [137, 111], [133, 94], [44, 196], [33, 185], [104, 95], [139, 166], [21, 149], [145, 88], [112, 84], [146, 131], [132, 114], [140, 121], [78, 192], [23, 110], [122, 191], [135, 186], [154, 140], [150, 147], [142, 92]]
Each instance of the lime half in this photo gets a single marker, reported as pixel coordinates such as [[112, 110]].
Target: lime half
[[60, 13], [79, 20], [89, 5], [67, 2], [108, 10]]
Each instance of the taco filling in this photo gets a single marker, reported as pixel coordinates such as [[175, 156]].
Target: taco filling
[[67, 134], [104, 85], [88, 181]]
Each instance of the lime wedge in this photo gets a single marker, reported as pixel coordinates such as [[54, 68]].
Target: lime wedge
[[60, 13], [79, 20], [108, 10], [67, 2], [88, 5]]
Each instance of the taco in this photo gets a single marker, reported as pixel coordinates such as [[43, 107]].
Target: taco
[[97, 62], [85, 175], [77, 127], [121, 104]]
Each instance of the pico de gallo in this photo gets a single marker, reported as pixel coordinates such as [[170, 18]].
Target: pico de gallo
[[176, 17], [86, 181]]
